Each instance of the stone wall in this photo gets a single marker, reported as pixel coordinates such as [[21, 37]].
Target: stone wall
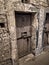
[[5, 53], [7, 41], [6, 62], [4, 45]]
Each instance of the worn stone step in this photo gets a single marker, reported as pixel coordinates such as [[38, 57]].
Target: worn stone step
[[26, 58]]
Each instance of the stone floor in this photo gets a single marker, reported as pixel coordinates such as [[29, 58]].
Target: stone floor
[[42, 59]]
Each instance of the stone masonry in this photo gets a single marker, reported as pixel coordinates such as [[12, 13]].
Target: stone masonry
[[8, 36]]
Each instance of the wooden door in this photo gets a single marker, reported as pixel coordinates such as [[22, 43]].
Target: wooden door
[[23, 27]]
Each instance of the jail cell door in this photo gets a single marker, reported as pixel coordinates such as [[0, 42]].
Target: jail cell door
[[23, 30]]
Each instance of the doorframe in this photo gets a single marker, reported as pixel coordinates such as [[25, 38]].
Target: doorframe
[[34, 19]]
